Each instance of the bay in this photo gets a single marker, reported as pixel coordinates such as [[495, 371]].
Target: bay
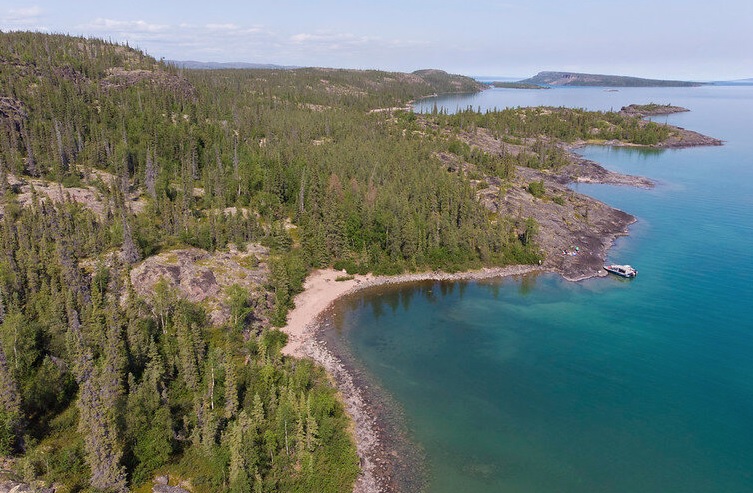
[[538, 384]]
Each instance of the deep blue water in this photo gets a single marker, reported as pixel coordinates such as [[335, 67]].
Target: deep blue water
[[607, 385]]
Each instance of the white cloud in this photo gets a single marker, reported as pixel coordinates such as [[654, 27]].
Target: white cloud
[[329, 38], [25, 13], [184, 40], [22, 18], [235, 41], [117, 26]]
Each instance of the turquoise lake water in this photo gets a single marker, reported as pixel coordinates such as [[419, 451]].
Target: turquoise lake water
[[607, 385]]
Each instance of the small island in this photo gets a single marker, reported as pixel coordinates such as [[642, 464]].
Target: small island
[[651, 109], [600, 80]]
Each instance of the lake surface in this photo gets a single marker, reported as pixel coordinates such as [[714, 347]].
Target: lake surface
[[607, 385]]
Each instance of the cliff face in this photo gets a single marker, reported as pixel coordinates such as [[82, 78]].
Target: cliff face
[[598, 80]]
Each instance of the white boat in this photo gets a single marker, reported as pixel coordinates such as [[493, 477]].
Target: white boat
[[621, 270]]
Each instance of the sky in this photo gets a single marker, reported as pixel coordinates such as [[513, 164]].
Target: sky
[[667, 39]]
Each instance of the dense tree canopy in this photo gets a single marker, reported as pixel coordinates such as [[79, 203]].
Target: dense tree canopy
[[99, 390]]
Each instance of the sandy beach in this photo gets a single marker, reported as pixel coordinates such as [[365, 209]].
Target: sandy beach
[[379, 462], [307, 319], [322, 288]]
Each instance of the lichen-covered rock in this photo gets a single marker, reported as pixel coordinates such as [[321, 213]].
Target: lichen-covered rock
[[16, 487], [203, 277], [121, 78], [574, 231], [13, 109], [28, 190], [162, 485]]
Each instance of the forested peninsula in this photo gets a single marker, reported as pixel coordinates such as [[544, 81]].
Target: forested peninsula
[[601, 80], [156, 223]]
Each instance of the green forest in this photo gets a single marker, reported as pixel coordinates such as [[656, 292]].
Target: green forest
[[100, 389]]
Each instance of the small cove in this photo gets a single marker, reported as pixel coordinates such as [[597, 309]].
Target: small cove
[[538, 384]]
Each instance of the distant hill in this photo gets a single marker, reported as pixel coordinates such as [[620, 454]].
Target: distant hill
[[443, 82], [440, 81], [192, 64], [597, 80]]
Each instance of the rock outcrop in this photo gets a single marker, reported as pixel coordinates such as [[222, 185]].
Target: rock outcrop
[[18, 487], [203, 277]]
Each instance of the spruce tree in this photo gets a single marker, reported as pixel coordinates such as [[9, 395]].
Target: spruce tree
[[10, 407]]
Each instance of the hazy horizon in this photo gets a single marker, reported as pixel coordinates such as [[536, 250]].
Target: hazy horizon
[[479, 77], [672, 40]]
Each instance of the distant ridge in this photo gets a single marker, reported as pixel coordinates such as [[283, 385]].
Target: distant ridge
[[446, 83], [598, 80], [736, 82], [192, 64]]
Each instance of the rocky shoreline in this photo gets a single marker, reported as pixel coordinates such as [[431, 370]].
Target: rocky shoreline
[[389, 462], [575, 234]]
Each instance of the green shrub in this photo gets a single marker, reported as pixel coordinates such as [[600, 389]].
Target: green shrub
[[536, 188]]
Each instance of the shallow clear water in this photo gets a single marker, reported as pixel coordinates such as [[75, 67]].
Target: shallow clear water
[[541, 385]]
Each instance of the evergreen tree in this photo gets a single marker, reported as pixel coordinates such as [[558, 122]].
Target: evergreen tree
[[10, 407], [98, 403], [231, 389]]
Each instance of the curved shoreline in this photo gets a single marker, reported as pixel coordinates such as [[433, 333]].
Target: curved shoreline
[[311, 317], [322, 289]]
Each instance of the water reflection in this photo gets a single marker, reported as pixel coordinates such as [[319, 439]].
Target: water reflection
[[527, 284], [392, 298], [406, 297], [640, 152]]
